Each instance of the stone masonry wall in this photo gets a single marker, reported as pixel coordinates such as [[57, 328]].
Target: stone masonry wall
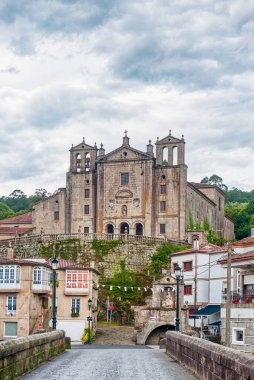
[[136, 254], [20, 355], [209, 360]]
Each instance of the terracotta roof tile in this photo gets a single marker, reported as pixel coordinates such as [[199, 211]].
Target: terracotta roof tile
[[68, 264], [19, 219], [14, 261], [239, 257], [204, 248], [248, 239], [14, 230]]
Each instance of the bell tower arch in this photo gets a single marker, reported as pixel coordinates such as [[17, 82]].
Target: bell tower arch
[[170, 151]]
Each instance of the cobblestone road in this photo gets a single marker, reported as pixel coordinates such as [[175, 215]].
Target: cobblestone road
[[102, 363]]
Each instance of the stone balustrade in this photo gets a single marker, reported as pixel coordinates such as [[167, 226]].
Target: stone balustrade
[[44, 238], [20, 355]]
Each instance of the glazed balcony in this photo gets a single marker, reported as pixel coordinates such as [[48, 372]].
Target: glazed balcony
[[9, 286]]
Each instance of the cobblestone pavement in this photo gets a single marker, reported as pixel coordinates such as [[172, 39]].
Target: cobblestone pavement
[[106, 364], [110, 334]]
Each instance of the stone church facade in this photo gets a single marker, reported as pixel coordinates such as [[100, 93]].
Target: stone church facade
[[129, 191]]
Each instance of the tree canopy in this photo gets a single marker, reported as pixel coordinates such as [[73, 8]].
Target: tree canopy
[[215, 180], [19, 203]]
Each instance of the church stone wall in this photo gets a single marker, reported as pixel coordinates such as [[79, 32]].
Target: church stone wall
[[49, 215], [131, 203], [199, 207], [218, 198]]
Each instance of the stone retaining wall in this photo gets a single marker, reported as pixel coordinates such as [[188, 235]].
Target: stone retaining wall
[[136, 254], [209, 360], [20, 355]]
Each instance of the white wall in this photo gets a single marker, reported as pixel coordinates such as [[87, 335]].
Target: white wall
[[73, 329], [202, 290], [241, 313]]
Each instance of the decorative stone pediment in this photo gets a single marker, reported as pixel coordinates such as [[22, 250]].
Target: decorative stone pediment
[[124, 194], [124, 154], [169, 140]]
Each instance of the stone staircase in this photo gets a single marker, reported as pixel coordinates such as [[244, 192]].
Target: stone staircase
[[114, 335]]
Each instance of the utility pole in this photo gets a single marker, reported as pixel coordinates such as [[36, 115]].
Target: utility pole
[[228, 303]]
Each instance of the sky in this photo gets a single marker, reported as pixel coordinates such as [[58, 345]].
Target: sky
[[94, 68]]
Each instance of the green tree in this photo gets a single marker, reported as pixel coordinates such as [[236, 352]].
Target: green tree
[[215, 180], [5, 211], [242, 219], [161, 259]]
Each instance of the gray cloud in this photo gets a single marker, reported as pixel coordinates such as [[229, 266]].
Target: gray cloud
[[96, 68]]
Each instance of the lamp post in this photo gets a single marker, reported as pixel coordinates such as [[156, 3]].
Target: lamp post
[[54, 263], [89, 319], [178, 278]]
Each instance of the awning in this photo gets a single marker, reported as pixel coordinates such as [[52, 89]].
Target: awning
[[215, 324], [208, 310]]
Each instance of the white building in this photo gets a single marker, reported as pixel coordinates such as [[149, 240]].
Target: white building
[[242, 305], [204, 280]]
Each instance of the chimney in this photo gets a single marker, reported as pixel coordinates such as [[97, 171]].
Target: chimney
[[196, 243], [92, 263], [10, 251], [252, 231]]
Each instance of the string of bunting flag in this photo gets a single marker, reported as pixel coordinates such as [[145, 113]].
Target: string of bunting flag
[[125, 288]]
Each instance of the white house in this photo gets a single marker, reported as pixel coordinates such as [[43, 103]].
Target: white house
[[204, 280], [242, 304]]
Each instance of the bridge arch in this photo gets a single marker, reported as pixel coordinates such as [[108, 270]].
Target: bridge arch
[[157, 332]]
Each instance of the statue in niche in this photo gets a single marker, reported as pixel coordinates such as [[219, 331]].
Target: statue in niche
[[124, 210], [168, 298]]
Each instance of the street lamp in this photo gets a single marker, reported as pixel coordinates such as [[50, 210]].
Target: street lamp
[[89, 304], [90, 319], [178, 278], [54, 263]]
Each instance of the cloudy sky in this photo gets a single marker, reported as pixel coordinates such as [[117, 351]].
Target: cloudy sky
[[74, 69]]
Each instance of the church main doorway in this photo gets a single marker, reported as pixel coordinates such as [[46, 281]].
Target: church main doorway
[[110, 229], [139, 229], [124, 227]]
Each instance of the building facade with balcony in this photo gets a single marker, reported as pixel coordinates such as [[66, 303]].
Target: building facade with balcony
[[204, 282], [24, 296], [76, 284], [242, 302]]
